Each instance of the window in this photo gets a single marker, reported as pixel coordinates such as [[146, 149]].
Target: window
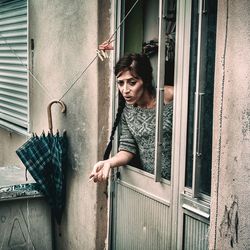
[[200, 108], [193, 66], [13, 65], [141, 34]]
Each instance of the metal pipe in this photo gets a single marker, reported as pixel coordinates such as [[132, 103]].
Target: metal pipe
[[195, 174], [160, 91]]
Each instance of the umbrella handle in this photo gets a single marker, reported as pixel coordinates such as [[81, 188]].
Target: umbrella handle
[[50, 115]]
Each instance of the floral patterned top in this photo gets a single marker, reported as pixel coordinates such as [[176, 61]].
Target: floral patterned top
[[138, 136]]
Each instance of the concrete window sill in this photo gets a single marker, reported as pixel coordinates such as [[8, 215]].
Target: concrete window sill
[[13, 184]]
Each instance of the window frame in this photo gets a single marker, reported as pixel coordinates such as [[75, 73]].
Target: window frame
[[183, 200], [180, 102], [120, 47], [197, 127]]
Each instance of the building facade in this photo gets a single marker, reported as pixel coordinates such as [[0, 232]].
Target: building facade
[[198, 48]]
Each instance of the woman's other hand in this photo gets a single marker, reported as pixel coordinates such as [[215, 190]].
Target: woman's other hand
[[100, 171], [168, 93]]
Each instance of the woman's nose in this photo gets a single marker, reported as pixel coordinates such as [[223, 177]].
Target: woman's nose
[[126, 88]]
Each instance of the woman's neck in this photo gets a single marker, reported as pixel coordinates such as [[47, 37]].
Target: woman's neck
[[147, 101]]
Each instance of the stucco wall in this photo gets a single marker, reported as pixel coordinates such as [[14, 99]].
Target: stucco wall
[[230, 220], [9, 141], [66, 35]]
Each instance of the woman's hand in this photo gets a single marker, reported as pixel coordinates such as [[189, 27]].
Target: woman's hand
[[100, 171]]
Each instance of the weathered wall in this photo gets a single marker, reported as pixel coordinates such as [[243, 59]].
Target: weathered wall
[[105, 74], [66, 35], [230, 220], [9, 141], [23, 220]]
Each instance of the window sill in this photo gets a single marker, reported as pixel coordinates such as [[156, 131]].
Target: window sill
[[20, 191], [196, 207], [14, 186]]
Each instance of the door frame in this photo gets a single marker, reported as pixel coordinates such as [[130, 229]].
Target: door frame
[[181, 201]]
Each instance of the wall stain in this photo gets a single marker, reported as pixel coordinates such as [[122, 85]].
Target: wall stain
[[229, 227], [246, 124]]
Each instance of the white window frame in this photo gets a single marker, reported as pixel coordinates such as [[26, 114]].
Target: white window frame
[[183, 199], [190, 201]]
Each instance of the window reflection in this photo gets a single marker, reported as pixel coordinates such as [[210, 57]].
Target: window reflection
[[202, 162]]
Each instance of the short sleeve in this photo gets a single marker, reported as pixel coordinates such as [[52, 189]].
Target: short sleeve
[[126, 141]]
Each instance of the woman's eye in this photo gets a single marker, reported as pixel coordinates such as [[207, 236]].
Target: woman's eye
[[133, 82], [120, 83]]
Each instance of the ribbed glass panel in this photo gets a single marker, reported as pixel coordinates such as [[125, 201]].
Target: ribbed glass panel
[[140, 222], [195, 234], [13, 64]]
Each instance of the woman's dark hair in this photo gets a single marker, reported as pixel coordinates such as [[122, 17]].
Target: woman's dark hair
[[139, 66], [116, 122]]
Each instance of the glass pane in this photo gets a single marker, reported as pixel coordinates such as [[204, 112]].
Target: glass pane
[[206, 89], [133, 28], [140, 27]]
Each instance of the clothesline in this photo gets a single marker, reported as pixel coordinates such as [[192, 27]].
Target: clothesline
[[13, 51], [85, 69]]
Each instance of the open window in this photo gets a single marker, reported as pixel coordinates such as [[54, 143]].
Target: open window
[[145, 32], [146, 29]]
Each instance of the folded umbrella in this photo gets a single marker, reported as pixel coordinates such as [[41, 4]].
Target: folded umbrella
[[45, 158]]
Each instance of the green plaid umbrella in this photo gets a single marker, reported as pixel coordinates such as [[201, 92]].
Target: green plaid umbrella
[[45, 158]]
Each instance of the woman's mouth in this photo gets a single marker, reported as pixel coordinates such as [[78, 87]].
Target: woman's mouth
[[127, 98]]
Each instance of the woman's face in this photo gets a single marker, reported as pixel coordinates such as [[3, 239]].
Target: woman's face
[[130, 87]]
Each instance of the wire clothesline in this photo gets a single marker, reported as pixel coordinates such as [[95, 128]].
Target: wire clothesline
[[85, 69], [30, 72]]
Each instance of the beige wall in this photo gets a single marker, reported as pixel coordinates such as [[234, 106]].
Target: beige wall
[[9, 142], [230, 220], [66, 34]]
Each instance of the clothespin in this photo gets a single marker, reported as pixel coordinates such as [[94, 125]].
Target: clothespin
[[104, 54], [99, 54], [102, 48]]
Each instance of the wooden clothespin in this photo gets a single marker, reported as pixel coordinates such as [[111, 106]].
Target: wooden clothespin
[[102, 49], [99, 54], [104, 54]]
